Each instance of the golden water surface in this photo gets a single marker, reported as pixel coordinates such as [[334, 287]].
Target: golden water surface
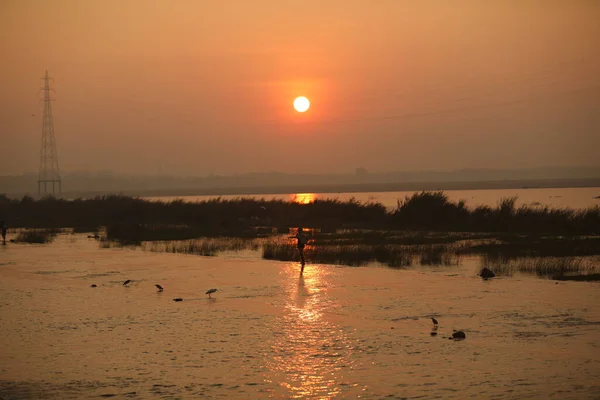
[[336, 332]]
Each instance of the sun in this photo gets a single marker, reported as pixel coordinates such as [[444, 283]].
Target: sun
[[301, 104]]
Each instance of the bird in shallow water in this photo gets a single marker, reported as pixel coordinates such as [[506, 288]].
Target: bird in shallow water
[[160, 288], [435, 327], [127, 282], [210, 291]]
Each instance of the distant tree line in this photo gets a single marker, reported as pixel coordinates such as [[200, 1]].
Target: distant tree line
[[430, 211]]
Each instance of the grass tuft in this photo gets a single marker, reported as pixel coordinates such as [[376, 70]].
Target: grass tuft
[[37, 236], [202, 247]]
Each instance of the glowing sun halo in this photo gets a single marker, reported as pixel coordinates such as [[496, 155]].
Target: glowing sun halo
[[301, 104]]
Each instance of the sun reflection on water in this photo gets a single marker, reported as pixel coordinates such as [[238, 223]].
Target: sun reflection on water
[[310, 354], [304, 198]]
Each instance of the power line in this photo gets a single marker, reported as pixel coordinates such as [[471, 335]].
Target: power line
[[451, 110]]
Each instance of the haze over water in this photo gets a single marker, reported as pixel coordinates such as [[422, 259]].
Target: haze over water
[[208, 87]]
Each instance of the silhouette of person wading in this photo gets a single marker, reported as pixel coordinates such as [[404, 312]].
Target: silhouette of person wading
[[302, 240], [3, 227]]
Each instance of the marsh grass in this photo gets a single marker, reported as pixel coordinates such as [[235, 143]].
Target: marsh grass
[[425, 228], [424, 211], [438, 255], [515, 246], [543, 266], [37, 236], [393, 237], [202, 246], [434, 211], [351, 255], [356, 255], [392, 255], [505, 254]]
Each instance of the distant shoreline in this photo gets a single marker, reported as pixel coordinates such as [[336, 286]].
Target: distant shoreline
[[340, 188]]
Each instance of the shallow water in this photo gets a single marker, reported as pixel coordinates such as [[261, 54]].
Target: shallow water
[[268, 333]]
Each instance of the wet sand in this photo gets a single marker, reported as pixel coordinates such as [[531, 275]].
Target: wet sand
[[337, 332]]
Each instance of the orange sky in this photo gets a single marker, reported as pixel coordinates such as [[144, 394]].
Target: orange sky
[[195, 87]]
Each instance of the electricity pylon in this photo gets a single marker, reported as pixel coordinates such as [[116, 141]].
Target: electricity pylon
[[49, 171]]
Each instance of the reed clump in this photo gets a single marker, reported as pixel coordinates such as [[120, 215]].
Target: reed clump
[[36, 236], [434, 211]]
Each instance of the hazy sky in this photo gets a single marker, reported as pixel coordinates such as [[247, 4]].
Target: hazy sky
[[200, 86]]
